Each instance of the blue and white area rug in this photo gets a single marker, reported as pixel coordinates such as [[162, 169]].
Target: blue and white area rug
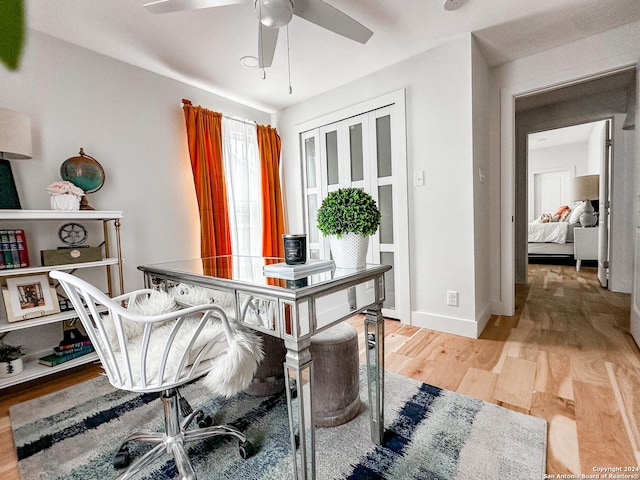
[[430, 434]]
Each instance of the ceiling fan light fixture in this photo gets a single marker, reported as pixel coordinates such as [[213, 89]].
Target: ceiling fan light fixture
[[249, 61], [450, 5], [274, 13]]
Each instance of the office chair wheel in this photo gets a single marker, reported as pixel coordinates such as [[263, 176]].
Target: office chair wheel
[[122, 458], [204, 420], [246, 449]]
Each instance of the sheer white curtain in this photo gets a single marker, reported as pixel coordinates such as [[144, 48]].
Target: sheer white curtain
[[242, 175]]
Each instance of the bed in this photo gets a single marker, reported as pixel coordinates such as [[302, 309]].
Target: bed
[[550, 239], [551, 234]]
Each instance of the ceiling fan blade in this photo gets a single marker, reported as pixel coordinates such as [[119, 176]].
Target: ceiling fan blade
[[326, 16], [267, 41], [166, 6]]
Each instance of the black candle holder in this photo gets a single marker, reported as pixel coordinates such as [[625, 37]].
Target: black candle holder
[[295, 248]]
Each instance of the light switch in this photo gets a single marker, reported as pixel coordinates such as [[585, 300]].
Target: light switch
[[418, 178]]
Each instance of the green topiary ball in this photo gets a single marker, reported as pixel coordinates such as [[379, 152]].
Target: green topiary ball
[[348, 210]]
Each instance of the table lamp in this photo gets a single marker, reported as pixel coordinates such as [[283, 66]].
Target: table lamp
[[15, 143], [587, 188]]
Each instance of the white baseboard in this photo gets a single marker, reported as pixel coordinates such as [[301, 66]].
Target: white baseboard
[[456, 326]]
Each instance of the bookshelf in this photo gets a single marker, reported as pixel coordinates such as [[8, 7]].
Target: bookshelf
[[39, 334]]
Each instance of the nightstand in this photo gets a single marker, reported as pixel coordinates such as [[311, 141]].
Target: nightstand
[[585, 244]]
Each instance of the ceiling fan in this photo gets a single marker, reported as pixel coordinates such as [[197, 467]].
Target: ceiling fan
[[273, 14]]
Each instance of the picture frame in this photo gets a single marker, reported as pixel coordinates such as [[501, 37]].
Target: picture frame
[[29, 296]]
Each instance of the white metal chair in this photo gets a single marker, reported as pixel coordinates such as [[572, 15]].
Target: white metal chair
[[161, 352]]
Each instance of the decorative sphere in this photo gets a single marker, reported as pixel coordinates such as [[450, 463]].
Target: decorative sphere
[[84, 172]]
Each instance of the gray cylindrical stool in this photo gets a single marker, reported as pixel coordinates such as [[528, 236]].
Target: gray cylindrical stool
[[269, 378], [336, 388]]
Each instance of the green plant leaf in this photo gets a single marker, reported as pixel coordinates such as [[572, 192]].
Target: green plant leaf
[[11, 32]]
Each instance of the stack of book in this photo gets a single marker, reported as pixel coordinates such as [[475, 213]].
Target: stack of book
[[295, 272], [65, 352], [13, 249]]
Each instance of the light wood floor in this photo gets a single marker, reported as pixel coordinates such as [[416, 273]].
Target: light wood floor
[[566, 355]]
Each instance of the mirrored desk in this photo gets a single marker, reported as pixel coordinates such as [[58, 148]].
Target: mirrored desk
[[294, 309]]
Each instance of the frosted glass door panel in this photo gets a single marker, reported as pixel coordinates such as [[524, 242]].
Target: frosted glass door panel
[[383, 146], [385, 204], [310, 153], [331, 145], [312, 201], [356, 148], [386, 258]]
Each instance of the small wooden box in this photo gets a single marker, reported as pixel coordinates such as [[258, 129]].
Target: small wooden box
[[62, 256]]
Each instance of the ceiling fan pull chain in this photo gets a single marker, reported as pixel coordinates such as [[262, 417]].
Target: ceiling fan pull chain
[[289, 61], [264, 73]]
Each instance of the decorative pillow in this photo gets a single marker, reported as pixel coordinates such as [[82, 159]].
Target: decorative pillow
[[562, 213], [576, 212], [547, 218]]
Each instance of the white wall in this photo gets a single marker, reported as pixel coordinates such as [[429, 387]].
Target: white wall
[[608, 51], [481, 178], [635, 225], [571, 157], [595, 148], [438, 87], [131, 121]]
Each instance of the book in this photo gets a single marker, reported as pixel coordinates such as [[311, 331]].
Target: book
[[5, 246], [66, 351], [63, 353], [62, 347], [52, 360], [294, 272], [13, 246], [23, 253]]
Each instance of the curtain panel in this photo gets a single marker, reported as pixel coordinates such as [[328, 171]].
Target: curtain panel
[[230, 177], [204, 136], [273, 221]]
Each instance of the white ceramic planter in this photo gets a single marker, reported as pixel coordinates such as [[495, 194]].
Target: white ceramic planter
[[9, 369], [67, 201], [349, 251]]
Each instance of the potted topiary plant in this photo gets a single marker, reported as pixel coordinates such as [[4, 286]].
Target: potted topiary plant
[[10, 360], [348, 216]]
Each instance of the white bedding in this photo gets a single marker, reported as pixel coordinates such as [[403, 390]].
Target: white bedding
[[552, 232]]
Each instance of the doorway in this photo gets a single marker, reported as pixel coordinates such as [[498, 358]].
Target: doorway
[[559, 161], [593, 100]]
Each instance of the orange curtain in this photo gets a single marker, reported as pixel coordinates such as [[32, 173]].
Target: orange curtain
[[273, 221], [204, 136]]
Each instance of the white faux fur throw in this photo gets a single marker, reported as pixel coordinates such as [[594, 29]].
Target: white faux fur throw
[[234, 364]]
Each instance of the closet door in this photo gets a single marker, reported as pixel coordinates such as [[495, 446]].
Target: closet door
[[382, 185], [359, 152]]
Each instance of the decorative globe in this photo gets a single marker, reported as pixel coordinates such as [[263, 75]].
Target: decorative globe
[[84, 172]]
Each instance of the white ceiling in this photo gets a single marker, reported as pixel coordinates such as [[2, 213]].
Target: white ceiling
[[203, 47], [562, 136]]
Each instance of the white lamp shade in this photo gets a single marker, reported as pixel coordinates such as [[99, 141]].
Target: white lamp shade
[[586, 187], [15, 135]]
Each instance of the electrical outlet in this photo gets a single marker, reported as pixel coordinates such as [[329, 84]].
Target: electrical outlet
[[452, 298]]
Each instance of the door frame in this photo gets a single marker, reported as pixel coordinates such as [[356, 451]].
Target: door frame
[[395, 100], [505, 305]]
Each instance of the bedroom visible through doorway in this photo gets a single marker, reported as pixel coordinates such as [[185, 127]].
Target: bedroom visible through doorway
[[559, 162]]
